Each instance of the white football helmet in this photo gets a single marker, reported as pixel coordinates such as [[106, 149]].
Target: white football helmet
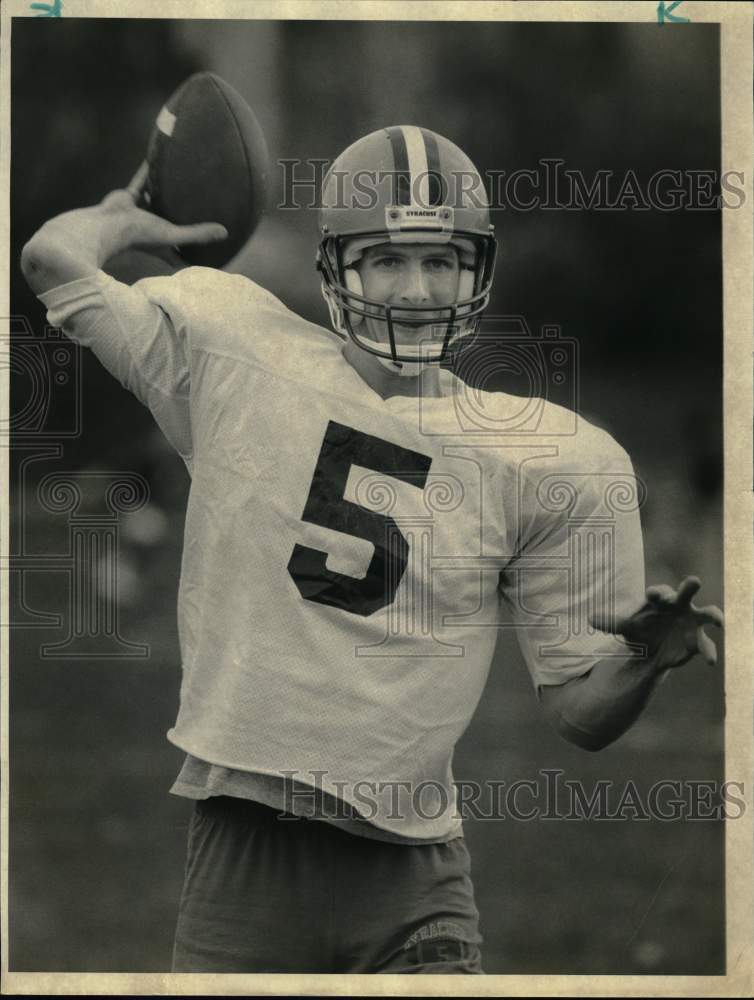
[[404, 184]]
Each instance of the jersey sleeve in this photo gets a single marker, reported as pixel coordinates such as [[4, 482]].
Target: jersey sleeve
[[136, 341], [580, 554]]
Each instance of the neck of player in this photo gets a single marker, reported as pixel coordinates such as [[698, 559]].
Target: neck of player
[[385, 383]]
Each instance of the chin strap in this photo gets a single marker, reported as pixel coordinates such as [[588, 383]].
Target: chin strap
[[404, 368]]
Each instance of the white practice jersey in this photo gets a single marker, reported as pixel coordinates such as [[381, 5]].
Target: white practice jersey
[[346, 556]]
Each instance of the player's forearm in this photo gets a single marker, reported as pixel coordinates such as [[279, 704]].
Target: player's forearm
[[71, 246], [594, 710]]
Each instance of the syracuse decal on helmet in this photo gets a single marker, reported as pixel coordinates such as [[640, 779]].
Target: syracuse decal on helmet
[[404, 184]]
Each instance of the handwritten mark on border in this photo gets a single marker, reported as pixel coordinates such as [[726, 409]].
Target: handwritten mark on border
[[53, 9], [666, 13]]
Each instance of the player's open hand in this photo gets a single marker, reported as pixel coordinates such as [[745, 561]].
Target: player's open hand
[[669, 625], [142, 228], [75, 244]]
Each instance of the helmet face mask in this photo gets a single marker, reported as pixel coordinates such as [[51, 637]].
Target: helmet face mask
[[343, 285], [349, 228]]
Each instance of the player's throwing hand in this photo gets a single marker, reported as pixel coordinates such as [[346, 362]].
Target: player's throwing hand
[[76, 244], [128, 226], [143, 228], [669, 625]]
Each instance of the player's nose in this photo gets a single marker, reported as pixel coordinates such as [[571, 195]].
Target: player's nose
[[415, 288]]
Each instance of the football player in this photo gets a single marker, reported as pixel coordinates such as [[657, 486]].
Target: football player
[[355, 520]]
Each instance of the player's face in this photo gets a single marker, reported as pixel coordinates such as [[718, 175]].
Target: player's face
[[411, 275]]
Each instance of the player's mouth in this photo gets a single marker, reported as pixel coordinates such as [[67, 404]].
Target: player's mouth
[[424, 329]]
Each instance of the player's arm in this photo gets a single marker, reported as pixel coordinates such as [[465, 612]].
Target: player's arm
[[595, 709], [133, 338], [76, 244]]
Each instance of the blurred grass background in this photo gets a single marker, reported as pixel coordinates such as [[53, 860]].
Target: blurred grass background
[[97, 846]]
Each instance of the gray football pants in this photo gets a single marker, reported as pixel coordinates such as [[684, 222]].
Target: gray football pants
[[264, 894]]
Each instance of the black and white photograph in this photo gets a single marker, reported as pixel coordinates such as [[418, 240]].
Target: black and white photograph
[[376, 564]]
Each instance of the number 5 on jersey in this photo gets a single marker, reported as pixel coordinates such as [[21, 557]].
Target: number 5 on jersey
[[326, 505]]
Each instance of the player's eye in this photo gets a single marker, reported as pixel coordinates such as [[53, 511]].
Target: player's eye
[[388, 262], [439, 264]]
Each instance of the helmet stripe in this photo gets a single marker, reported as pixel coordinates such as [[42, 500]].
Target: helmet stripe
[[417, 164], [402, 188], [436, 192]]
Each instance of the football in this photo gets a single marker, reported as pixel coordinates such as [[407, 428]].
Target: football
[[207, 162]]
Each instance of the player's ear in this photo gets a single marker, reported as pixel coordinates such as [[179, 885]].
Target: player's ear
[[465, 283], [353, 281], [354, 284]]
